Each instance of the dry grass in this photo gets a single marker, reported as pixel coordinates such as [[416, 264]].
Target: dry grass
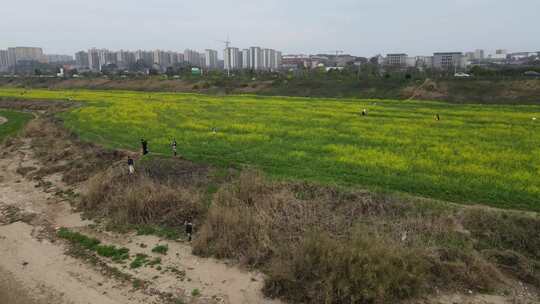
[[140, 200], [363, 269], [324, 245]]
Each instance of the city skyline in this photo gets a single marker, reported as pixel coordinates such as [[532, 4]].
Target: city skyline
[[361, 28]]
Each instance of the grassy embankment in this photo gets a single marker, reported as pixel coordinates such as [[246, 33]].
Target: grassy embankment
[[474, 154]]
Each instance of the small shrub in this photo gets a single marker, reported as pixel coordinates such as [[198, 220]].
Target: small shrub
[[195, 292], [161, 249], [139, 261]]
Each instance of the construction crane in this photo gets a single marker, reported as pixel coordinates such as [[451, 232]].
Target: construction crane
[[227, 43]]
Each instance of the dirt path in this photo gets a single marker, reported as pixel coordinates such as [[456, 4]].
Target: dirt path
[[34, 268], [3, 120]]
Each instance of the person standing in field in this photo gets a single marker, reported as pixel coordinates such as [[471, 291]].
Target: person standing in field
[[189, 229], [131, 165], [364, 112], [144, 145], [437, 117], [173, 146]]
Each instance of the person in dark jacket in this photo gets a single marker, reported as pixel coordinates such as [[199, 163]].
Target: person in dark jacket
[[189, 229], [173, 146], [144, 145], [131, 165], [437, 117]]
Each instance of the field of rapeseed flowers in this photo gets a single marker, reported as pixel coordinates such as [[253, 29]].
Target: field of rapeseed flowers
[[473, 154]]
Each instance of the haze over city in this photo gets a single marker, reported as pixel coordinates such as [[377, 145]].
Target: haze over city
[[358, 27]]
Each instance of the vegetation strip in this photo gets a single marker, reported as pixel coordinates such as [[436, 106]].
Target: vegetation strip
[[93, 244], [473, 154]]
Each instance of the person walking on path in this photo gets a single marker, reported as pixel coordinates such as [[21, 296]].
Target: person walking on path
[[173, 146], [189, 229], [144, 145], [131, 165]]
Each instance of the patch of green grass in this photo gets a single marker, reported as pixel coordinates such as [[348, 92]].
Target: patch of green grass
[[475, 154], [111, 251], [93, 244], [195, 292], [161, 249], [139, 261], [15, 122]]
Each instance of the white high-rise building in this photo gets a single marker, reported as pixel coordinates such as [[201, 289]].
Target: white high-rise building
[[4, 62], [93, 59], [211, 58], [232, 58], [269, 59], [278, 60], [255, 55], [246, 62]]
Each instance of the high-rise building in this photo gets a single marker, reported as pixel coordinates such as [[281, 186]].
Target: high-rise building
[[211, 59], [232, 58], [174, 58], [479, 54], [124, 58], [396, 60], [17, 54], [4, 62], [192, 57], [93, 59], [54, 58], [246, 62], [278, 60], [162, 58], [269, 59], [81, 59], [145, 57], [447, 61], [256, 60]]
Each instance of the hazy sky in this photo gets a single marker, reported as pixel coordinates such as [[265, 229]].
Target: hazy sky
[[359, 27]]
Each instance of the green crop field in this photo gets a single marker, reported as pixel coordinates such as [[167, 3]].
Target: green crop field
[[474, 154], [15, 122]]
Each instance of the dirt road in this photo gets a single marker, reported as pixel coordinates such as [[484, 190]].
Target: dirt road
[[35, 269]]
